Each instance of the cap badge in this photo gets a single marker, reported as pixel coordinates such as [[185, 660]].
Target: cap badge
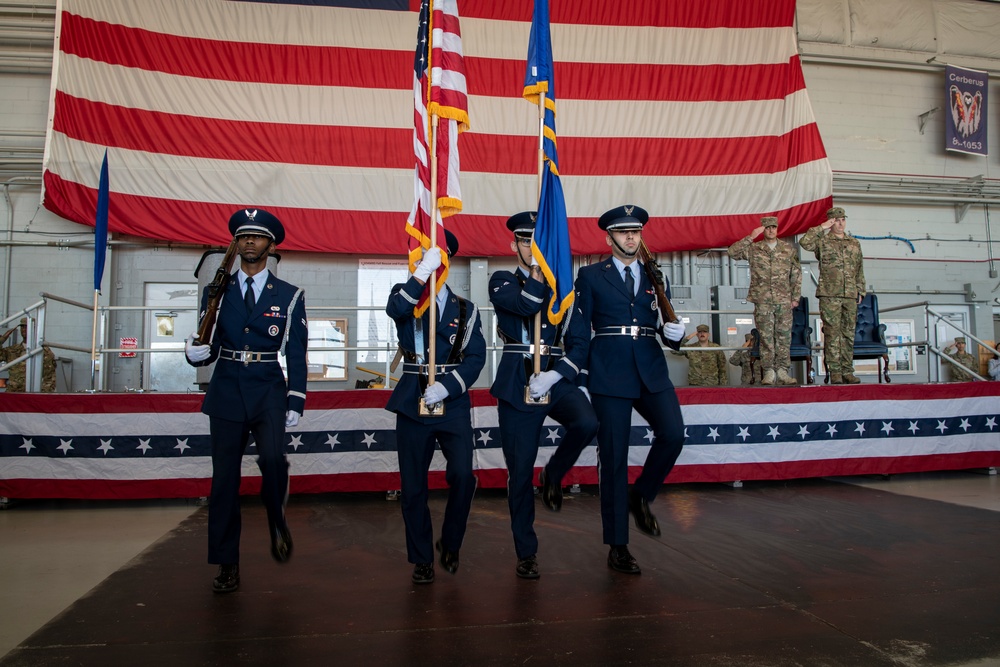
[[629, 209], [251, 216]]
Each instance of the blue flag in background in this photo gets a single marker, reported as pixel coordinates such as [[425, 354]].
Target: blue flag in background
[[550, 244], [101, 226]]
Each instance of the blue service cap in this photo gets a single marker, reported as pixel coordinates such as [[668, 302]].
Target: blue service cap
[[628, 216], [522, 224], [452, 242], [257, 222]]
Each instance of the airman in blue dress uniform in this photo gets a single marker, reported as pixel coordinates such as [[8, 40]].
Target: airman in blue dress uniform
[[460, 355], [517, 296], [259, 318], [627, 369]]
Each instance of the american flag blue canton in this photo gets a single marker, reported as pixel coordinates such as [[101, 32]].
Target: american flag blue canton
[[158, 445]]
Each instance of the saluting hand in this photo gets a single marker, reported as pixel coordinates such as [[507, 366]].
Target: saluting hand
[[757, 232]]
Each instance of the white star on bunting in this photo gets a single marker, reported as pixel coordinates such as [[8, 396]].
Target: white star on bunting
[[296, 442], [369, 440], [553, 434], [182, 445], [27, 446], [65, 446], [484, 437], [144, 445], [333, 439]]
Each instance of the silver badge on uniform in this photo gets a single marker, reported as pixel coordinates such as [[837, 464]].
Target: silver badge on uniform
[[452, 339], [273, 330], [652, 304]]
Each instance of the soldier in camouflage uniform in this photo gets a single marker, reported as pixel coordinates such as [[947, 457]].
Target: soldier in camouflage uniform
[[775, 288], [16, 373], [741, 358], [962, 357], [705, 369], [841, 288]]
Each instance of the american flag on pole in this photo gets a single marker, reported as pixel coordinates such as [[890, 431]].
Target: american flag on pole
[[698, 112], [550, 244], [438, 89]]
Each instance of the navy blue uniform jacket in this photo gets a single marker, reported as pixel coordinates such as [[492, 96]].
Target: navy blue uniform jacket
[[407, 392], [277, 324], [620, 365], [516, 306]]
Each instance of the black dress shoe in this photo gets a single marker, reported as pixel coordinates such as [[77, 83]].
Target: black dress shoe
[[527, 568], [423, 573], [644, 519], [449, 559], [620, 560], [228, 579], [281, 543], [551, 493]]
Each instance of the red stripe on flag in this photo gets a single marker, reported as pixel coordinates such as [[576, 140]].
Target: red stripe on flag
[[322, 230], [383, 69], [661, 13], [389, 148]]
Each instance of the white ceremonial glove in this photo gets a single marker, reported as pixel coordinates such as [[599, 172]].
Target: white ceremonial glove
[[539, 385], [435, 393], [291, 418], [427, 265], [586, 392], [194, 352], [673, 331]]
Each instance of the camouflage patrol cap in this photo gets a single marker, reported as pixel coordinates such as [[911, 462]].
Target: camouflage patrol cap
[[769, 221], [960, 339], [702, 328], [836, 212], [747, 336]]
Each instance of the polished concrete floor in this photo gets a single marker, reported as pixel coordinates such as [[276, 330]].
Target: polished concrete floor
[[852, 571]]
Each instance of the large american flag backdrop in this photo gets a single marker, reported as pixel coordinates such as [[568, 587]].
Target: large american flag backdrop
[[697, 111], [157, 445]]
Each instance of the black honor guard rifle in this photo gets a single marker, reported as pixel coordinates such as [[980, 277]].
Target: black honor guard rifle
[[215, 289], [656, 278]]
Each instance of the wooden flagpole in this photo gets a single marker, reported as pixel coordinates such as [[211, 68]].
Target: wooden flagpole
[[432, 330], [537, 348]]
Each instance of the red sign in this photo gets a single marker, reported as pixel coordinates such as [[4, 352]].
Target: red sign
[[127, 344]]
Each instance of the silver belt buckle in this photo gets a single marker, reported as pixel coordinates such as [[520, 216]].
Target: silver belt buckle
[[634, 331], [543, 350], [246, 356]]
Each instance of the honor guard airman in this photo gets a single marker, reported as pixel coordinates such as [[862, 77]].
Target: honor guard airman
[[626, 370], [517, 297], [460, 354], [259, 318]]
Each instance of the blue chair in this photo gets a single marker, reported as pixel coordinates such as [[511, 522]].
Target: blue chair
[[869, 338], [801, 341]]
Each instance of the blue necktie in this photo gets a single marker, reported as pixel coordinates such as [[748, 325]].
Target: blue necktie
[[248, 297], [629, 281]]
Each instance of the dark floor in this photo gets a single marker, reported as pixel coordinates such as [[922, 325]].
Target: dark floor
[[800, 573]]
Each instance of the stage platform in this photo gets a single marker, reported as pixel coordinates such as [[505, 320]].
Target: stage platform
[[157, 445], [783, 574]]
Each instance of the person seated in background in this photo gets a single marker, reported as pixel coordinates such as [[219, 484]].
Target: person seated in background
[[963, 358], [16, 380], [749, 374], [995, 364], [705, 369]]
